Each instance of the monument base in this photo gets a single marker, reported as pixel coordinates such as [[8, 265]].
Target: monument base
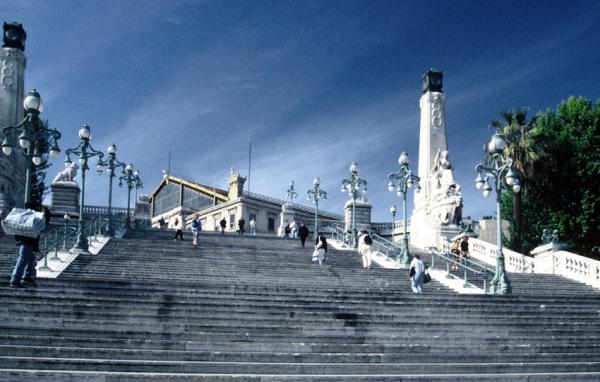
[[64, 199], [424, 234], [363, 216]]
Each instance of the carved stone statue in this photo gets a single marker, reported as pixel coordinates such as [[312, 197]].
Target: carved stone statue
[[67, 175], [445, 204]]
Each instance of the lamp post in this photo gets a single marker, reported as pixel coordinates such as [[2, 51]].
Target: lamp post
[[34, 137], [401, 181], [111, 164], [85, 151], [495, 167], [67, 218], [291, 194], [393, 212], [354, 186], [131, 178], [315, 194]]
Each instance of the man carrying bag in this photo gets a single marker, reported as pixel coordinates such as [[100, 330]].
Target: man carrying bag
[[26, 225]]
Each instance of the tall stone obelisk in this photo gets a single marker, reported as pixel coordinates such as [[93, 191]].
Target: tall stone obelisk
[[438, 206], [12, 80]]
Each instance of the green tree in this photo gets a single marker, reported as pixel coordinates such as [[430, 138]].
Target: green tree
[[564, 191], [517, 132]]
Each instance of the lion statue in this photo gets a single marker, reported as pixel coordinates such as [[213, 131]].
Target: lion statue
[[68, 174]]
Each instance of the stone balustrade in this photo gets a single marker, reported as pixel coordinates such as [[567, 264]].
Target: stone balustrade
[[547, 260], [513, 261], [576, 267]]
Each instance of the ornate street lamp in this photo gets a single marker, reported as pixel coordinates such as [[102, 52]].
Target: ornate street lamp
[[291, 194], [354, 186], [315, 194], [85, 151], [393, 212], [34, 137], [132, 179], [111, 164], [495, 167], [401, 181]]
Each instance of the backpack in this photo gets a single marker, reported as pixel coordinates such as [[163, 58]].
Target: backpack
[[368, 240]]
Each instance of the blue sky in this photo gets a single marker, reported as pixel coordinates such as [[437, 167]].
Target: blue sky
[[317, 84]]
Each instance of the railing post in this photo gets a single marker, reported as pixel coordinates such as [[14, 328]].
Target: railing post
[[55, 257], [448, 269], [45, 267], [466, 283]]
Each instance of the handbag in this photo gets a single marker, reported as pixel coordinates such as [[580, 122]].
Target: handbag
[[315, 255], [426, 277]]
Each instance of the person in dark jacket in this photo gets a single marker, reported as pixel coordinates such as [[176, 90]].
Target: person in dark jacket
[[241, 223], [223, 224], [24, 271], [303, 234]]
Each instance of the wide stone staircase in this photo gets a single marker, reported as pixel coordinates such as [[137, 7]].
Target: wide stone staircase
[[147, 308]]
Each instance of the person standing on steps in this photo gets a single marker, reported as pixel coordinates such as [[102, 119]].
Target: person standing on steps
[[178, 229], [196, 228], [303, 234], [321, 248], [365, 248], [161, 223], [417, 273], [294, 229], [286, 231], [241, 223], [252, 225], [464, 249], [223, 224]]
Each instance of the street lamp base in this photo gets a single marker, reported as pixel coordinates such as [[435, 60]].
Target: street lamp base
[[500, 285], [81, 245]]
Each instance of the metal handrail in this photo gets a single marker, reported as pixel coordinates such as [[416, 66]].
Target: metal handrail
[[56, 238], [449, 258], [338, 233]]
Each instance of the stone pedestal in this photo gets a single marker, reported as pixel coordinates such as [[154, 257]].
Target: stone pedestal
[[544, 257], [286, 216], [12, 80], [429, 234], [64, 199], [363, 216]]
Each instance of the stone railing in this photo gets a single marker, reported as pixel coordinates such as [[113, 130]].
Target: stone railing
[[103, 210], [575, 267], [513, 261]]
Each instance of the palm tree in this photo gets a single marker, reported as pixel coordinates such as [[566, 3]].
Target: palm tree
[[520, 141]]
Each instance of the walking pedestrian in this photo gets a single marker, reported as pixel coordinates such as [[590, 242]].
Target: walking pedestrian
[[303, 234], [287, 231], [178, 229], [223, 224], [241, 223], [252, 225], [365, 248], [321, 248], [196, 228], [417, 274], [294, 229], [161, 223]]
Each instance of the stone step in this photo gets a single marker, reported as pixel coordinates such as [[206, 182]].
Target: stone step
[[15, 375], [307, 369]]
